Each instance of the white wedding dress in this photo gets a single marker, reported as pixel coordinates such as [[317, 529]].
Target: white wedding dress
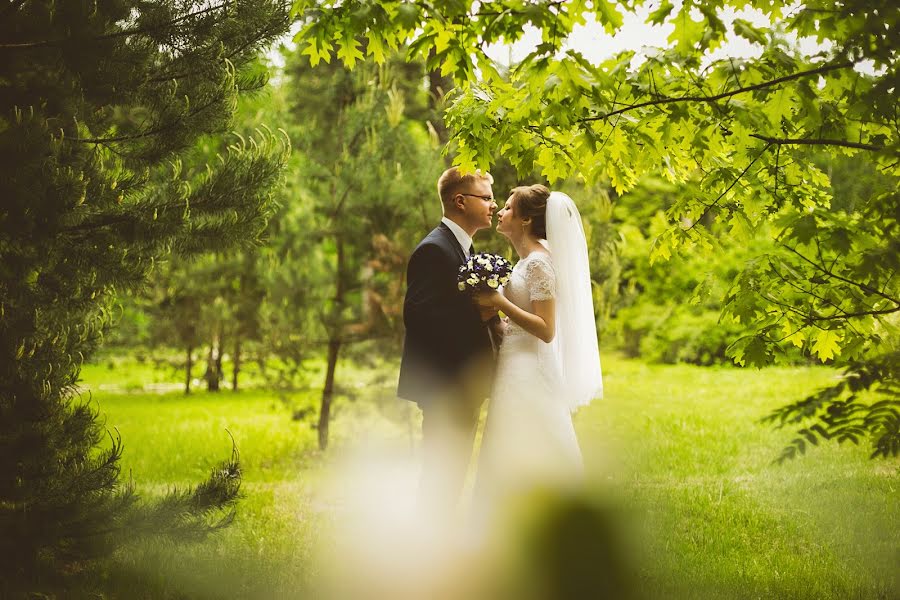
[[529, 440]]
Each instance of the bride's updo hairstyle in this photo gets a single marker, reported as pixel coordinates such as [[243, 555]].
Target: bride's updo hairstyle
[[530, 201]]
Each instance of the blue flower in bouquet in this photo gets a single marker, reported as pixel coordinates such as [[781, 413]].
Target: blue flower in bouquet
[[483, 272]]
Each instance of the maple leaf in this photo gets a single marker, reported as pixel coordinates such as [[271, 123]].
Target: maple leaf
[[827, 344]]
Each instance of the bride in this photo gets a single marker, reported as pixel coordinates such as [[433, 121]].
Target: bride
[[548, 364]]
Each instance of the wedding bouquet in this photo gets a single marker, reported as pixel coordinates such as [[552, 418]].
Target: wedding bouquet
[[483, 272]]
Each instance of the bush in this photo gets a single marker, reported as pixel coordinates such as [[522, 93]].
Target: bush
[[675, 333]]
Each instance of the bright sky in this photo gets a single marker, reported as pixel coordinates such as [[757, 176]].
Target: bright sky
[[635, 34], [596, 45]]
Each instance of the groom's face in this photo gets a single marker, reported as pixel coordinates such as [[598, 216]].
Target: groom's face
[[479, 204]]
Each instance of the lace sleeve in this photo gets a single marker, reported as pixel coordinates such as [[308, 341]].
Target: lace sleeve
[[540, 278]]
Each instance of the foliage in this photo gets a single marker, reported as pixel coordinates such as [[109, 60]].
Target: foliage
[[669, 311], [843, 414], [98, 102], [673, 333], [212, 299], [365, 186], [744, 131]]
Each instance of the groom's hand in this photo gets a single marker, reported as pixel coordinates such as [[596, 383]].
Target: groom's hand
[[487, 312]]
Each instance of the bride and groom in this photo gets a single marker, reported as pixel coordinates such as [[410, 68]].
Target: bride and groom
[[537, 364]]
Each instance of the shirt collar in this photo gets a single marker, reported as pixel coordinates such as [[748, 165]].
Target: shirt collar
[[464, 239]]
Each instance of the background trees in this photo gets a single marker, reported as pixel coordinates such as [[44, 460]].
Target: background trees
[[367, 173], [99, 103], [744, 132]]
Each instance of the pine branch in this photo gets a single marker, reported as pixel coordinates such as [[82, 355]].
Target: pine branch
[[117, 34], [235, 53], [149, 133]]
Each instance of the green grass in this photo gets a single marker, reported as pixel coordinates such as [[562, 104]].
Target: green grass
[[722, 520], [681, 446]]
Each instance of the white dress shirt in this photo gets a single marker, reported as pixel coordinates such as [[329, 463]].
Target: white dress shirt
[[462, 237]]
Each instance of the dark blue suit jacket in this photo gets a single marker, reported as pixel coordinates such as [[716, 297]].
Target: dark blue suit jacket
[[444, 331]]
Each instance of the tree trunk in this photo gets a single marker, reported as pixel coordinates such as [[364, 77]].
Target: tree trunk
[[236, 363], [220, 350], [438, 86], [189, 364], [334, 348], [212, 376]]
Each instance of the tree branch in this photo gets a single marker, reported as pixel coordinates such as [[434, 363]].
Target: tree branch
[[817, 142], [839, 313], [861, 286], [234, 54], [117, 34], [711, 99], [152, 132], [728, 189], [862, 313], [509, 11]]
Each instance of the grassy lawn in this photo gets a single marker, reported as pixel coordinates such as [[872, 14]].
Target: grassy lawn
[[680, 445]]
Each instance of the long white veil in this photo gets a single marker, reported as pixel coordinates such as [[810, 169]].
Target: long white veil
[[575, 343]]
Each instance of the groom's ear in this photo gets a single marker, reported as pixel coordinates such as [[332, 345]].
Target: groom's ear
[[459, 201]]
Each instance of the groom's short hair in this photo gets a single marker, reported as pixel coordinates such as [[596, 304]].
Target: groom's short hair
[[452, 182]]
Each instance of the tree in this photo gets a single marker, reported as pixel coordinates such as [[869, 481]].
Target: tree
[[175, 310], [99, 100], [743, 130], [367, 169], [669, 311]]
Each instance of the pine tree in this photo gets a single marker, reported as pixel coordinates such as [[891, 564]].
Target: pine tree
[[98, 104], [368, 167]]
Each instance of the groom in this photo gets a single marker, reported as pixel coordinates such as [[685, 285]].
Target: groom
[[447, 359]]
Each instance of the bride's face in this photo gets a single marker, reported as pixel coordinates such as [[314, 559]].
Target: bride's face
[[507, 220]]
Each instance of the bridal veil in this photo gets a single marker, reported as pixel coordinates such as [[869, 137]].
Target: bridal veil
[[575, 343]]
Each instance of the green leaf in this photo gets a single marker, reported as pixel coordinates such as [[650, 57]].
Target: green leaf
[[793, 334], [375, 48], [407, 17], [687, 33], [318, 49], [553, 165], [609, 17], [661, 248], [750, 351], [659, 15], [804, 229], [827, 344], [442, 39], [349, 51], [747, 31]]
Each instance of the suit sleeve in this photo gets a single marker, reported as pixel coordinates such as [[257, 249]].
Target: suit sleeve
[[432, 298]]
